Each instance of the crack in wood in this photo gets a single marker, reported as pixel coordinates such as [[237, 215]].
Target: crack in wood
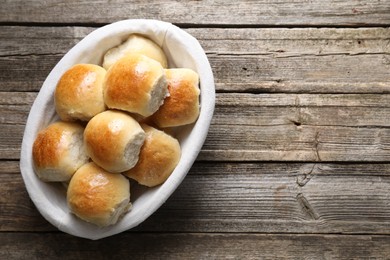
[[295, 122], [282, 55], [306, 207]]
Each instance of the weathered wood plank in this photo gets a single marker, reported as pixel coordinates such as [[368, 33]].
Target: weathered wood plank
[[290, 143], [307, 127], [316, 12], [194, 246], [264, 127], [241, 73], [303, 109], [298, 169], [280, 42], [249, 197], [279, 197], [273, 60]]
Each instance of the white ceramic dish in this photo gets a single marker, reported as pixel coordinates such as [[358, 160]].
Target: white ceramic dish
[[182, 50]]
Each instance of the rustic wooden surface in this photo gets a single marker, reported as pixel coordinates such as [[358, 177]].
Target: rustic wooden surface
[[297, 161]]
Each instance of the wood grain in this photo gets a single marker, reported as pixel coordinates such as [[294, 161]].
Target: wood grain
[[201, 13], [194, 246], [305, 128], [249, 197], [309, 60], [296, 163], [9, 167]]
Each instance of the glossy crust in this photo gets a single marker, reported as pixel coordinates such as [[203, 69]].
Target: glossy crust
[[79, 92], [181, 107], [97, 196], [136, 84], [113, 140], [58, 151], [139, 44], [159, 156]]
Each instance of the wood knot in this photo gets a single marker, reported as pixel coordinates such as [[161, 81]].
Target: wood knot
[[306, 207]]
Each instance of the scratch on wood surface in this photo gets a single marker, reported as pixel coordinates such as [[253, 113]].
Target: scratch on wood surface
[[306, 208], [316, 143]]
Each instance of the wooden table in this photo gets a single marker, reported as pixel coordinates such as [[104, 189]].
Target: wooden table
[[297, 160]]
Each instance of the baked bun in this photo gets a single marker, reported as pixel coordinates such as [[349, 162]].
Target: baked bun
[[158, 158], [136, 43], [58, 151], [113, 140], [136, 84], [79, 92], [181, 107], [97, 196]]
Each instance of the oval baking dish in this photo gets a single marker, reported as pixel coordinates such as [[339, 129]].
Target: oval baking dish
[[182, 50]]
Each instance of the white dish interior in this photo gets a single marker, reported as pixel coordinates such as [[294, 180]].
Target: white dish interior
[[183, 51]]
